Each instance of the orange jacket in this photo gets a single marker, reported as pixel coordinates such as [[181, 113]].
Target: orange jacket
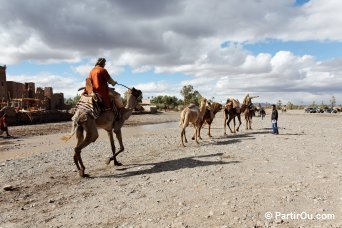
[[99, 78]]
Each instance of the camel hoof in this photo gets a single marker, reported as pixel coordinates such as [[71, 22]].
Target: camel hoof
[[116, 163], [108, 160], [82, 174]]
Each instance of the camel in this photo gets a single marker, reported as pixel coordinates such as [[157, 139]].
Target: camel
[[249, 113], [231, 110], [249, 110], [283, 108], [192, 114], [208, 117], [107, 120]]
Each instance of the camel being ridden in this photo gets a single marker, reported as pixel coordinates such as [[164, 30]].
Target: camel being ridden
[[249, 110], [249, 113], [107, 120], [192, 114], [231, 110], [208, 118]]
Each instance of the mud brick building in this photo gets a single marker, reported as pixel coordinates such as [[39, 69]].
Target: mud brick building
[[16, 91], [3, 84]]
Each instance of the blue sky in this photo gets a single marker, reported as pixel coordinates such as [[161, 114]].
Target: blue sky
[[280, 50]]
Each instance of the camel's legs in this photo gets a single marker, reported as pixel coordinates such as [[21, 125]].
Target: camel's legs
[[248, 122], [119, 137], [80, 138], [239, 119], [90, 137], [209, 130], [224, 121], [196, 133], [228, 123], [183, 135]]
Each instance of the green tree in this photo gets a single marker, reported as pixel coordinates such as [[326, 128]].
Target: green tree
[[165, 102], [190, 95], [72, 101], [313, 105], [289, 105]]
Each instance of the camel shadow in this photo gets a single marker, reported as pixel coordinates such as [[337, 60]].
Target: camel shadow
[[227, 142], [8, 138], [172, 165]]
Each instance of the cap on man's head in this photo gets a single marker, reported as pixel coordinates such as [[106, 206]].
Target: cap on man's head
[[100, 61]]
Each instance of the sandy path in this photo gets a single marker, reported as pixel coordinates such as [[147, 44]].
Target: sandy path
[[223, 182]]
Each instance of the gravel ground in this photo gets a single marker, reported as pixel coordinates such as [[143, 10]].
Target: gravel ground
[[52, 128], [222, 182]]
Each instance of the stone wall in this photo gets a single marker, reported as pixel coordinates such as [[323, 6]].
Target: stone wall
[[3, 84]]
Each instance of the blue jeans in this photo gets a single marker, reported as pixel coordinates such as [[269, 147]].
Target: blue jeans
[[275, 128]]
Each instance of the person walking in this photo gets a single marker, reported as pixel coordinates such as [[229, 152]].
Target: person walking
[[274, 119], [3, 125]]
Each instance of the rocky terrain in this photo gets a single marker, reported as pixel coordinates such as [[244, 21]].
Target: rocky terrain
[[250, 179]]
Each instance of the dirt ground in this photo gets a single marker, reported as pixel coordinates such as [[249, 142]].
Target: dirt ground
[[249, 179]]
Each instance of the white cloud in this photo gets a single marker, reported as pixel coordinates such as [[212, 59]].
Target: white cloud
[[179, 37], [60, 84]]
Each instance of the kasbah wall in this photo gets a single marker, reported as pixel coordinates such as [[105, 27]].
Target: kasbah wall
[[45, 98]]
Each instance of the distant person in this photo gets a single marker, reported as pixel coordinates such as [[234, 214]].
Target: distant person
[[262, 113], [100, 78], [274, 119], [3, 125]]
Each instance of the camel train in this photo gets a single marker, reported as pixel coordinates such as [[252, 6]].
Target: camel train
[[205, 113], [233, 109]]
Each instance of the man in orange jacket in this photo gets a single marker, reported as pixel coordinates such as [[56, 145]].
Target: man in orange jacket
[[100, 78]]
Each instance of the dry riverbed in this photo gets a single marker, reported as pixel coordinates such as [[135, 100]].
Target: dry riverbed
[[228, 181]]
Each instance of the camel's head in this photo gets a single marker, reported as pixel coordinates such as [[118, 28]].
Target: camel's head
[[136, 92], [216, 107], [132, 97]]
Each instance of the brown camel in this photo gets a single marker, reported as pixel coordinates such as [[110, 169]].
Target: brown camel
[[230, 111], [249, 113], [192, 114], [108, 120], [249, 110], [208, 117]]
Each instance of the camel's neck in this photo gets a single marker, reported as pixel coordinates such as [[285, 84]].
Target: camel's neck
[[202, 108], [131, 100]]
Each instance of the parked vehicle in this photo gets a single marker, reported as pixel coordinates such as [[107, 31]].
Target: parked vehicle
[[310, 110]]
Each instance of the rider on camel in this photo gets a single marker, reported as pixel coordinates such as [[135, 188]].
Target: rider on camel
[[100, 78]]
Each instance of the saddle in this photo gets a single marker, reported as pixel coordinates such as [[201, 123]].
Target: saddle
[[95, 101]]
